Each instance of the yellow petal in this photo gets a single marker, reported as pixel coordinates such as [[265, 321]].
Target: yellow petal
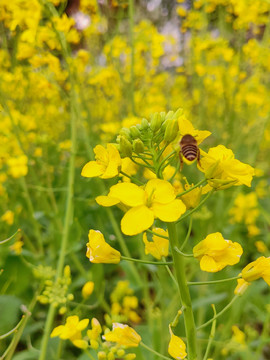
[[92, 169], [128, 193], [136, 220], [169, 212], [177, 348], [106, 201], [81, 344], [160, 190], [83, 324], [57, 331], [208, 264]]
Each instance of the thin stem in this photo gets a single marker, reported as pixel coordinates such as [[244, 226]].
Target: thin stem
[[12, 330], [218, 314], [132, 178], [10, 238], [197, 207], [183, 292], [154, 352], [202, 182], [181, 253], [131, 26], [212, 335], [188, 234], [154, 233], [213, 282], [146, 262]]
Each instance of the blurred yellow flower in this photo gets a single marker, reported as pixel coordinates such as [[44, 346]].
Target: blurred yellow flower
[[98, 251], [107, 164], [177, 347], [17, 247], [222, 169], [8, 217], [256, 269], [123, 335], [261, 247], [214, 252], [72, 330], [159, 246], [87, 289], [94, 333], [18, 166]]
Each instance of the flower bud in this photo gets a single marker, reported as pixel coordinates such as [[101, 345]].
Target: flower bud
[[87, 289], [156, 122], [171, 130], [110, 356], [138, 146], [102, 355], [241, 287], [144, 124], [179, 112], [125, 132], [125, 146], [134, 132], [169, 115]]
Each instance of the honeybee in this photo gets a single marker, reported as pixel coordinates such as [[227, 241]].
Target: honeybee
[[189, 149]]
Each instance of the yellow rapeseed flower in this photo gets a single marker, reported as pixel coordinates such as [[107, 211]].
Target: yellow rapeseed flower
[[222, 169], [259, 268], [107, 164], [177, 347], [186, 127], [72, 330], [98, 251], [214, 252], [159, 246], [8, 217], [123, 335], [156, 200]]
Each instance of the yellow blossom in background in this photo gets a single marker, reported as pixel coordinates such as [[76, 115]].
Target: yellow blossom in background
[[123, 335], [238, 335], [107, 164], [241, 287], [260, 246], [8, 217], [98, 251], [177, 347], [87, 289], [159, 246], [72, 330], [18, 166], [259, 268], [214, 252], [94, 333], [17, 247], [156, 200], [222, 169]]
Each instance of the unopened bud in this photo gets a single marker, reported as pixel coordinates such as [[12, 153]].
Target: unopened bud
[[125, 132], [179, 112], [125, 147], [171, 130], [144, 124], [134, 132], [138, 146], [169, 115], [155, 122], [102, 355], [110, 356]]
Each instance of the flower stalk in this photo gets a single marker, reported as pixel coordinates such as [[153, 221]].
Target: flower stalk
[[184, 293]]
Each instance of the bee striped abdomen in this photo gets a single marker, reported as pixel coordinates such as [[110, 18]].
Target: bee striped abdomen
[[190, 152]]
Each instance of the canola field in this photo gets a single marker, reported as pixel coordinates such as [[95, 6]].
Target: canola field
[[134, 179]]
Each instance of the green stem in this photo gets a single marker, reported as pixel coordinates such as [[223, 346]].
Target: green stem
[[188, 234], [131, 26], [10, 238], [211, 336], [132, 178], [184, 293], [154, 352], [154, 233], [181, 253], [219, 314], [202, 182], [213, 282], [146, 262], [197, 207]]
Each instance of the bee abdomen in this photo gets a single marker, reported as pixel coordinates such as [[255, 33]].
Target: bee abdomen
[[190, 152]]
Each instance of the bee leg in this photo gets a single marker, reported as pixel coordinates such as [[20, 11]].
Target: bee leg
[[198, 158], [181, 160]]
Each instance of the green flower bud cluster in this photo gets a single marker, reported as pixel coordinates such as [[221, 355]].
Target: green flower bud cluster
[[109, 352], [148, 134], [43, 272], [56, 292]]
